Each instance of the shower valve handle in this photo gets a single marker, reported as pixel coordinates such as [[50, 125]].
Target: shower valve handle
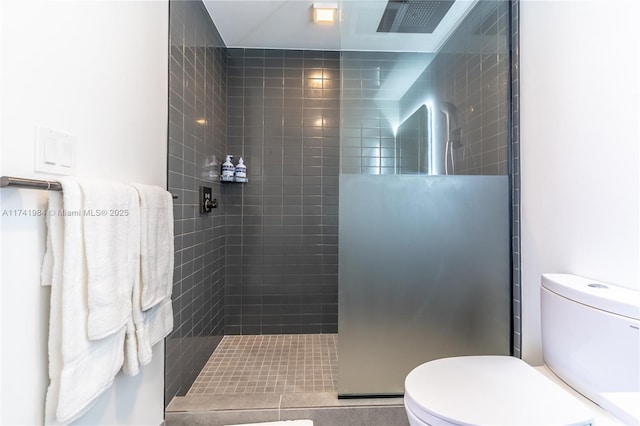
[[210, 204]]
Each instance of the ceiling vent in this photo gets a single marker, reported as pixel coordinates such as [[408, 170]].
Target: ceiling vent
[[413, 16]]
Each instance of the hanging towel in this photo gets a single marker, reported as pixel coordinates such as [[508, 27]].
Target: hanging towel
[[159, 321], [111, 238], [55, 226], [136, 334], [156, 244], [52, 276], [137, 351], [143, 333], [151, 325], [79, 369]]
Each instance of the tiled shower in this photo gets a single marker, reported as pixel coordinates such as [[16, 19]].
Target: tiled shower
[[265, 262]]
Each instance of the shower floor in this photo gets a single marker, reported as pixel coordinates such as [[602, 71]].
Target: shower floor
[[251, 379], [290, 363]]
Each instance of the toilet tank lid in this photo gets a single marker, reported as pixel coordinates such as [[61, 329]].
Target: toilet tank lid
[[599, 295]]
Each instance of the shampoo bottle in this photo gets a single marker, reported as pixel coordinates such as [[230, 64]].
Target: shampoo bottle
[[241, 171], [227, 170]]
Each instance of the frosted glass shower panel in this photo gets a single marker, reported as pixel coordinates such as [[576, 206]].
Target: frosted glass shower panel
[[424, 274]]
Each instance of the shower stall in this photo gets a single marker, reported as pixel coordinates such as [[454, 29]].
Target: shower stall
[[374, 233]]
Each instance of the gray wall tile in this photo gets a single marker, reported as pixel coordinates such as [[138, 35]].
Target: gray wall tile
[[277, 113], [197, 92], [471, 71]]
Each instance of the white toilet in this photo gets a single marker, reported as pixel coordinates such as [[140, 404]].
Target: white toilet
[[590, 340]]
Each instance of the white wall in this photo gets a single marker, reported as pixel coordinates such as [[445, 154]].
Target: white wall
[[580, 160], [97, 70]]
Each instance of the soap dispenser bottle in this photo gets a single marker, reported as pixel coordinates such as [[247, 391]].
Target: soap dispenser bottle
[[241, 171], [227, 170]]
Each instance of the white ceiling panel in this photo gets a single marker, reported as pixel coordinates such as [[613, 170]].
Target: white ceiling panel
[[283, 24], [288, 24]]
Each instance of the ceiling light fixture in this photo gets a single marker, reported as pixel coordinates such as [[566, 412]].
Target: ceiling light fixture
[[325, 12]]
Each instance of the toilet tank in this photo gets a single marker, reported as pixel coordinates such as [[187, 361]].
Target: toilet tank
[[591, 334]]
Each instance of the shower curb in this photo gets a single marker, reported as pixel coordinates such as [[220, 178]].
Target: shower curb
[[325, 409]]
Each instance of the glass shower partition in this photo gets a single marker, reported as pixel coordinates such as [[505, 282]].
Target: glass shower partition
[[424, 236]]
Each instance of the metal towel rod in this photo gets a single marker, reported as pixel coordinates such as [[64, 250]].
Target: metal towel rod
[[48, 185]]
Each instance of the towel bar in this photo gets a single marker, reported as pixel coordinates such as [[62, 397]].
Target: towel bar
[[49, 185]]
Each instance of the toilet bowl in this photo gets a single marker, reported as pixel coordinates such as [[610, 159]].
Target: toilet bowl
[[590, 341]]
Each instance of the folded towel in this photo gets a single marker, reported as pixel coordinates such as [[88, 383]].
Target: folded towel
[[111, 225], [156, 244], [150, 325], [79, 369]]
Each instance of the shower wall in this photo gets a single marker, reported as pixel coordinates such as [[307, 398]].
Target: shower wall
[[370, 112], [197, 138], [282, 226], [471, 71]]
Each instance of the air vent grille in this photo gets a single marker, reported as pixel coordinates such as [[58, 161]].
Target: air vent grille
[[413, 16]]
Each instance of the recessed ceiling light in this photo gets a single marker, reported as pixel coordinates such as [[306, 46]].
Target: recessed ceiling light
[[325, 12]]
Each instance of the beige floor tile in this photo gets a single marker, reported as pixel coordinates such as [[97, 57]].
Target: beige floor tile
[[270, 363]]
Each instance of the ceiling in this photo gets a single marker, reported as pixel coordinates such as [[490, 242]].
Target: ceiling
[[288, 24]]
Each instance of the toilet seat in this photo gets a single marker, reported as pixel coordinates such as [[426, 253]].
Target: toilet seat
[[489, 390]]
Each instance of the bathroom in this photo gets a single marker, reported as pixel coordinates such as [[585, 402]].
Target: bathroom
[[101, 71]]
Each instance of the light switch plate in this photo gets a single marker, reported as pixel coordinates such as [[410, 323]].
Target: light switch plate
[[55, 151], [51, 151], [67, 154]]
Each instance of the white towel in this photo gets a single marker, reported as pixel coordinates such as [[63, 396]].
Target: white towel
[[280, 423], [159, 320], [111, 237], [150, 325], [156, 244], [79, 369], [52, 276], [47, 273], [142, 334]]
